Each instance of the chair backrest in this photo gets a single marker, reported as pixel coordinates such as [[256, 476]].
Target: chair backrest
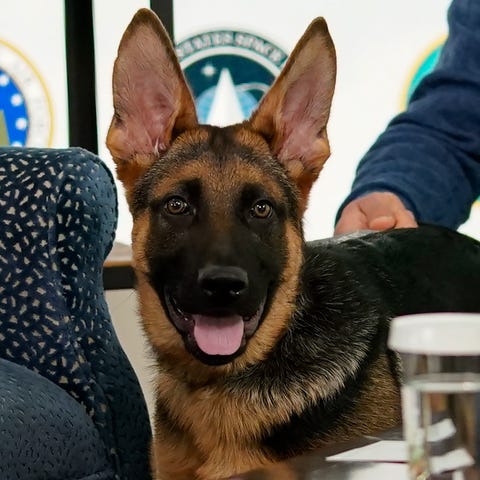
[[58, 216]]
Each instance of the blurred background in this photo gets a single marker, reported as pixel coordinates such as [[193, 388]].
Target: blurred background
[[56, 61]]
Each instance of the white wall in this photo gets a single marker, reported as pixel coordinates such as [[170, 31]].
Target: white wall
[[379, 44]]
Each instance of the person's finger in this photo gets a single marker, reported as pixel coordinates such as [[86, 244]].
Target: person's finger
[[383, 222], [400, 218], [351, 220], [405, 219], [380, 204], [375, 211]]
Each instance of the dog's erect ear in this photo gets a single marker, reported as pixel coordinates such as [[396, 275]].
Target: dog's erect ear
[[293, 114], [151, 100]]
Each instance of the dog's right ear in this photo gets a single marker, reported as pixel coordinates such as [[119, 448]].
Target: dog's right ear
[[151, 99], [293, 114]]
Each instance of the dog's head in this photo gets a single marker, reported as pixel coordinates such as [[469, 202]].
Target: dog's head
[[217, 236]]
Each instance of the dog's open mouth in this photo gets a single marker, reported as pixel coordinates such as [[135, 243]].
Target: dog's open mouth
[[214, 339]]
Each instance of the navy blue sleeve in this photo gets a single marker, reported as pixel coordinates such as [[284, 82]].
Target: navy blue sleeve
[[430, 154]]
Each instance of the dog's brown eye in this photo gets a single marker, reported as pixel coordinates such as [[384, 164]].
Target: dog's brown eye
[[261, 209], [177, 206]]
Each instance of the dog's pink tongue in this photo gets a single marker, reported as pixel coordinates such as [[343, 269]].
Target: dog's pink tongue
[[218, 335]]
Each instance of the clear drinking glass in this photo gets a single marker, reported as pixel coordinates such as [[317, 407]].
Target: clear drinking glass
[[440, 355]]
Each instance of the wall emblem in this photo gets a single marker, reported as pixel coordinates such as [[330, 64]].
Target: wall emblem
[[423, 66], [25, 107], [228, 71]]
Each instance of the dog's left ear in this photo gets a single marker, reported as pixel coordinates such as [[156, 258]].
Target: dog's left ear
[[293, 115], [151, 99]]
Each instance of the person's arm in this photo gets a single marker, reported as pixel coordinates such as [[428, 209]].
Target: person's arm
[[429, 156]]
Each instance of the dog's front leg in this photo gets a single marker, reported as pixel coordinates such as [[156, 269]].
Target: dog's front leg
[[227, 462], [173, 460]]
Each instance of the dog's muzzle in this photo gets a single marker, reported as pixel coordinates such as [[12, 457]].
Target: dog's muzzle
[[216, 330]]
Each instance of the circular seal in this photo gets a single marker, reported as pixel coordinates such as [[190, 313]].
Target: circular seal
[[26, 117], [423, 66], [228, 72]]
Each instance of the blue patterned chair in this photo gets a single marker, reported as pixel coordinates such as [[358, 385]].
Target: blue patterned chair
[[70, 404]]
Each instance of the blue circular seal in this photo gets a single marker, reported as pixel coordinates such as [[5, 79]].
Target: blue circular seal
[[427, 65], [423, 67], [13, 112], [25, 109]]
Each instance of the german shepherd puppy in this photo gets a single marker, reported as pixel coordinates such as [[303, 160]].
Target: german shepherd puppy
[[266, 346]]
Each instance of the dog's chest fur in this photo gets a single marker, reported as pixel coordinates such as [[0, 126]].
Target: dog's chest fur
[[225, 429], [302, 395]]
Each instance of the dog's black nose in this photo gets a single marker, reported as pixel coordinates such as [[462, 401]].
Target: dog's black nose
[[223, 282]]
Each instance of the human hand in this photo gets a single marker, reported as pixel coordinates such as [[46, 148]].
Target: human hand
[[375, 211]]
